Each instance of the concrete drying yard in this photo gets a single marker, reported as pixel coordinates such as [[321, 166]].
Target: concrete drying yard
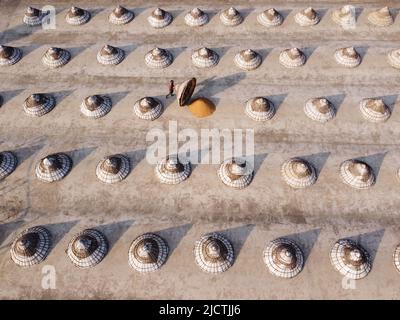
[[316, 216]]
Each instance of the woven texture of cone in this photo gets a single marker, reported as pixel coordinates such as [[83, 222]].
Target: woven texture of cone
[[270, 18], [159, 18], [31, 246], [158, 58], [396, 258], [231, 17], [307, 17], [113, 169], [236, 173], [350, 259], [196, 18], [394, 58], [381, 17], [283, 258], [109, 55], [348, 57], [319, 109], [374, 110], [357, 174], [8, 163], [87, 248], [298, 173], [38, 104], [260, 109], [54, 167], [33, 17], [148, 253], [345, 16], [120, 15], [9, 55], [148, 108], [77, 16], [205, 58], [292, 58], [96, 106], [56, 57], [171, 171], [247, 60], [213, 253]]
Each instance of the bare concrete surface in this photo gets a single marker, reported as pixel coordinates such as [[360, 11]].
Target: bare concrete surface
[[316, 217]]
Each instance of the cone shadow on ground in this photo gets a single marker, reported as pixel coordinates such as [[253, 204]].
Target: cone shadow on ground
[[26, 50], [78, 155], [26, 152], [116, 97], [336, 100], [318, 160], [6, 229], [60, 230], [390, 100], [374, 161], [258, 161], [135, 157], [61, 95], [277, 100], [7, 96], [213, 86], [173, 236], [114, 231], [306, 241], [238, 236], [370, 241]]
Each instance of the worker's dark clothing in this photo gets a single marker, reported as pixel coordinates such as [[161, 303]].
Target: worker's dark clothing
[[171, 90]]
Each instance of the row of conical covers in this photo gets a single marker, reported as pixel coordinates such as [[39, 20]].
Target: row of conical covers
[[213, 253], [234, 172], [259, 108], [204, 57], [230, 17], [319, 109]]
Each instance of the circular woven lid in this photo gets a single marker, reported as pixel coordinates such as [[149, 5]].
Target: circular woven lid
[[53, 167], [357, 174], [375, 110], [119, 11], [171, 171], [93, 102], [185, 91], [260, 104], [148, 253], [298, 173], [31, 246], [87, 248], [6, 52], [75, 12], [283, 258], [213, 253], [350, 259], [32, 12], [381, 17], [113, 168], [8, 163], [236, 173], [319, 109]]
